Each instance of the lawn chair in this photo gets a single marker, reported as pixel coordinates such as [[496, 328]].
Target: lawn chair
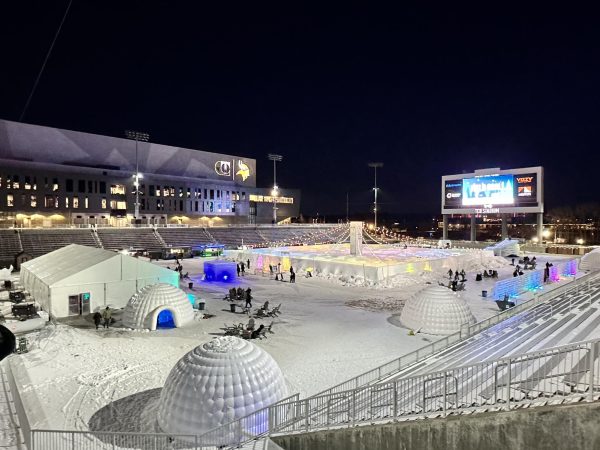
[[234, 330], [275, 311], [260, 313], [270, 328]]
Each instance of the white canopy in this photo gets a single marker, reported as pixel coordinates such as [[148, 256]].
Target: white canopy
[[103, 276]]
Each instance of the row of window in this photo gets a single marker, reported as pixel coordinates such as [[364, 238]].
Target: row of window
[[53, 201], [99, 187]]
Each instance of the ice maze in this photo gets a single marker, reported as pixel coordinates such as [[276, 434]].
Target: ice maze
[[436, 310], [216, 383]]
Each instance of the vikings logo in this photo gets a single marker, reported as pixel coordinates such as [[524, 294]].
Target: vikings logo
[[243, 170]]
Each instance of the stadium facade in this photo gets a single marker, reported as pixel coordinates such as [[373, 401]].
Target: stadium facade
[[54, 177]]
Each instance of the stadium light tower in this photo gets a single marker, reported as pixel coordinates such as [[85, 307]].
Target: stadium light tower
[[144, 137], [275, 192], [375, 165]]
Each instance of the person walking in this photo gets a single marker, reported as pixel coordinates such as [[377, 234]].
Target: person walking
[[248, 265], [248, 298], [238, 269], [97, 319], [107, 316], [243, 267]]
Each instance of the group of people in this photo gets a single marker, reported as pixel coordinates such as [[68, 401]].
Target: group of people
[[279, 274], [241, 294], [104, 317], [241, 267], [179, 269]]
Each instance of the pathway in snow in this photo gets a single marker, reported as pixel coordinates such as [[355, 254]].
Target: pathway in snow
[[10, 431]]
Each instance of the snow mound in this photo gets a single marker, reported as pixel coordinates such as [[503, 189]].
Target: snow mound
[[507, 247], [144, 307], [436, 310], [591, 260], [216, 383]]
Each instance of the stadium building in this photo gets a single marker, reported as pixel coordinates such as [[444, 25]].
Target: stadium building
[[54, 177]]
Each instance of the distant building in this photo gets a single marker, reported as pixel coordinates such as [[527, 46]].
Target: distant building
[[50, 177]]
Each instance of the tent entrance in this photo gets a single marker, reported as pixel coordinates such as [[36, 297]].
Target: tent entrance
[[79, 304], [165, 319]]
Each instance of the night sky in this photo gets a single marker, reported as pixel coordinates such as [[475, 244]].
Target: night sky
[[428, 91]]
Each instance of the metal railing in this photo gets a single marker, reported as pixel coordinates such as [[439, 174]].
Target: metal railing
[[565, 371], [405, 361]]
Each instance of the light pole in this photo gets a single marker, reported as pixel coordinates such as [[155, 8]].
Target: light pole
[[144, 137], [375, 165], [275, 192]]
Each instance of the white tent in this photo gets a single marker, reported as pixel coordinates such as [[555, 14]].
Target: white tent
[[77, 279], [436, 310], [143, 309], [218, 382], [591, 260]]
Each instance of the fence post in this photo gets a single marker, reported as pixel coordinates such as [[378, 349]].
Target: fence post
[[508, 382], [72, 440], [592, 355], [306, 412], [395, 408], [445, 390]]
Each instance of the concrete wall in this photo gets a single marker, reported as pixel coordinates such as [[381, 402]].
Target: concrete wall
[[553, 427]]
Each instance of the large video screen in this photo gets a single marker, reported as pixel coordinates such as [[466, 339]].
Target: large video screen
[[502, 190]]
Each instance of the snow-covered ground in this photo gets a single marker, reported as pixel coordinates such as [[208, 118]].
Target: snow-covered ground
[[81, 378]]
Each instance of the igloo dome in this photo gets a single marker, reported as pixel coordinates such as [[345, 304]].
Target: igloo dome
[[216, 383], [436, 310], [591, 260], [158, 304]]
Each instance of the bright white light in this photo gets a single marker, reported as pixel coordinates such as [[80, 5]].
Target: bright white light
[[534, 239], [546, 233], [580, 241]]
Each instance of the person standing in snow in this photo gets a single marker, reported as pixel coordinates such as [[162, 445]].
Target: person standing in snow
[[107, 316], [238, 269], [248, 265], [97, 319]]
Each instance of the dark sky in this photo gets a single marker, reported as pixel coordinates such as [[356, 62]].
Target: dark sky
[[428, 91]]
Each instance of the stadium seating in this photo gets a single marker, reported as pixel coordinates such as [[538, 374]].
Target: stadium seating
[[186, 237], [126, 238], [37, 242], [10, 246]]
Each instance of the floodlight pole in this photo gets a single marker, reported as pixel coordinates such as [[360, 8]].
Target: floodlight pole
[[375, 165], [275, 159], [137, 136]]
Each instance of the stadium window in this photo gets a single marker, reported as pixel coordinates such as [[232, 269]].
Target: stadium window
[[243, 196], [205, 197], [196, 206], [151, 190], [69, 185], [211, 206], [180, 205], [212, 194], [103, 201], [8, 182], [10, 200], [0, 181], [188, 193], [33, 201], [35, 183], [56, 201], [232, 207], [66, 202], [81, 186], [166, 191], [172, 191], [117, 189], [27, 184], [218, 193], [158, 205], [180, 192], [103, 187], [90, 187], [54, 184], [16, 182], [75, 202], [86, 203], [46, 182], [49, 201]]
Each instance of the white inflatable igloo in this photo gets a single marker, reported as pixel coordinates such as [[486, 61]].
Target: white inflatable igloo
[[436, 310], [507, 247], [591, 260], [216, 383], [157, 302]]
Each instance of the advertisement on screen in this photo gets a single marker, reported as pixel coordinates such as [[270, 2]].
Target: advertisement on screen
[[489, 190], [516, 190]]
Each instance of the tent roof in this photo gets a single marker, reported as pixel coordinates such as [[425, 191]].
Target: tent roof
[[64, 262]]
